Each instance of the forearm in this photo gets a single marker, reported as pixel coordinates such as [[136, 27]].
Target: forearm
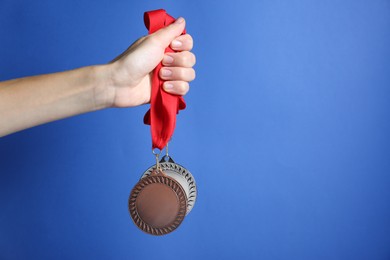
[[31, 101]]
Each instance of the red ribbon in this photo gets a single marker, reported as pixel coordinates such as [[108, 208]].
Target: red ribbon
[[163, 106]]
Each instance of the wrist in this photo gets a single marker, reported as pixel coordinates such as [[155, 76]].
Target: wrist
[[103, 87]]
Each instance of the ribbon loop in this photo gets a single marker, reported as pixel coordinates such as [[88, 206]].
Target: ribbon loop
[[163, 106]]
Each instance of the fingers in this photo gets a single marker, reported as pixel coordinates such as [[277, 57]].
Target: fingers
[[184, 59], [176, 87], [166, 35], [177, 70], [177, 79], [182, 43], [177, 73]]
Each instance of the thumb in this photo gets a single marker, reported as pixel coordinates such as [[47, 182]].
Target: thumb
[[167, 34]]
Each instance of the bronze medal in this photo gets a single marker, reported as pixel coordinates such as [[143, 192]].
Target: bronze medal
[[163, 196]]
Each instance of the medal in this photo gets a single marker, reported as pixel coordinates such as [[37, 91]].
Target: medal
[[166, 192], [161, 199]]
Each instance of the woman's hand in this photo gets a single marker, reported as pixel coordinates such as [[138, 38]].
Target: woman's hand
[[125, 82], [130, 73]]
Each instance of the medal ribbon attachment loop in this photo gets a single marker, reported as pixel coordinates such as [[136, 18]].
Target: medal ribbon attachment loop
[[163, 106]]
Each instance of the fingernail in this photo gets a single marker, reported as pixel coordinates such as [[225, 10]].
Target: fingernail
[[176, 44], [167, 59], [168, 86], [166, 72], [179, 20]]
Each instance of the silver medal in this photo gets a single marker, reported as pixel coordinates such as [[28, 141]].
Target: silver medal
[[181, 175]]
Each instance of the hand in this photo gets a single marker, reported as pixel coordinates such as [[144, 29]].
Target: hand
[[125, 82], [131, 71]]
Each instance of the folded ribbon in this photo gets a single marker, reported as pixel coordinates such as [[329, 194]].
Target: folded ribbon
[[163, 106]]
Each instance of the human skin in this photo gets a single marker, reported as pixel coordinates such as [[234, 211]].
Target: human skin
[[125, 82]]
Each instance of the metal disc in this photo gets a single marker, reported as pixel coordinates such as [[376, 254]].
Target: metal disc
[[157, 204], [179, 173]]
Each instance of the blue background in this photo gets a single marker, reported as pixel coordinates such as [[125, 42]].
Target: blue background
[[286, 132]]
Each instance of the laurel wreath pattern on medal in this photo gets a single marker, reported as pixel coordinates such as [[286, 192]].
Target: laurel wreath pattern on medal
[[177, 168], [175, 187]]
